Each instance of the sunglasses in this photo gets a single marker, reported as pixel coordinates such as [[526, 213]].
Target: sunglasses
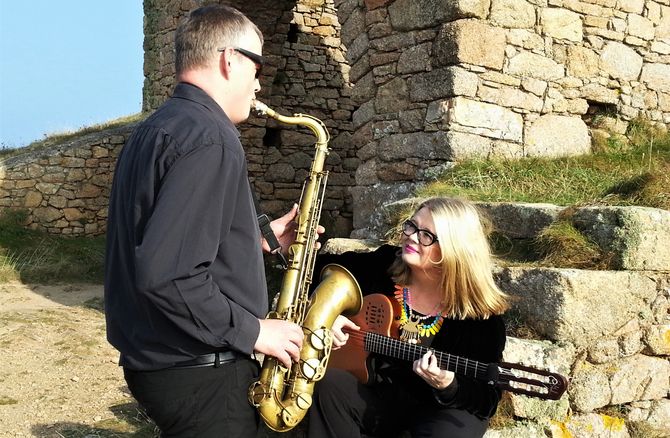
[[425, 237], [253, 57]]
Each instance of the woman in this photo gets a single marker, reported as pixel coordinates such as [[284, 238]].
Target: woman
[[442, 281]]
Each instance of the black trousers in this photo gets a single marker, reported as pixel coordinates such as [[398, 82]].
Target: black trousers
[[345, 408], [199, 402]]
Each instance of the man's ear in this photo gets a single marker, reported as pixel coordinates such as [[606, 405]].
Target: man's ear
[[225, 61]]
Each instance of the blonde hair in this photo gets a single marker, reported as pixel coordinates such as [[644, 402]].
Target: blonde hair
[[466, 280], [205, 30]]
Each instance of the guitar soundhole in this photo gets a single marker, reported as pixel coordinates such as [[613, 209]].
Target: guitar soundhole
[[375, 316]]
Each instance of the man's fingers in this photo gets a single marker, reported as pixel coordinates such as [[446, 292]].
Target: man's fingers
[[293, 351]]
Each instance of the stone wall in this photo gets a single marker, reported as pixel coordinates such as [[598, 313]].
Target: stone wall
[[438, 81], [307, 73], [408, 87], [64, 189]]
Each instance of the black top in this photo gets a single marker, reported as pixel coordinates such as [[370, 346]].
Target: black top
[[184, 271], [482, 340]]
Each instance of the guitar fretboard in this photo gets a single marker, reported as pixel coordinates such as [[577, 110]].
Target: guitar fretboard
[[376, 343]]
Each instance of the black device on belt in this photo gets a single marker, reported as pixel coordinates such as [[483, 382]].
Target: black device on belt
[[210, 360]]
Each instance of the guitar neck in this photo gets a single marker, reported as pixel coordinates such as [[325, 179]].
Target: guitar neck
[[384, 345]]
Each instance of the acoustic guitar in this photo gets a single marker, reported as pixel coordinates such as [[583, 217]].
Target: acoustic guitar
[[379, 334]]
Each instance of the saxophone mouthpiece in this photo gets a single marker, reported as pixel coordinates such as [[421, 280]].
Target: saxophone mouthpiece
[[259, 107]]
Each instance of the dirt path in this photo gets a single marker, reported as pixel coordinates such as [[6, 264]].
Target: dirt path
[[58, 374]]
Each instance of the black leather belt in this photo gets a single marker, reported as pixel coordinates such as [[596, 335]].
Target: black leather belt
[[210, 360]]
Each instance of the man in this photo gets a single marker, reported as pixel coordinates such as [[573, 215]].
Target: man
[[185, 289]]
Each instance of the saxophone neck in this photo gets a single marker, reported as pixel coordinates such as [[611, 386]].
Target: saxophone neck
[[317, 127]]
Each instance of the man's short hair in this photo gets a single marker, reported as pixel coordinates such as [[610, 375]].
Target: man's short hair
[[207, 29]]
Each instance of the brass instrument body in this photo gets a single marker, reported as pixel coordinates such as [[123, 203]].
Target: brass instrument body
[[283, 396]]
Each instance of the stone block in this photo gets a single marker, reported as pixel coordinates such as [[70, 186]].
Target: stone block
[[654, 413], [656, 77], [366, 174], [512, 14], [556, 136], [599, 93], [620, 61], [442, 82], [582, 62], [633, 6], [541, 355], [472, 42], [637, 237], [466, 145], [561, 24], [492, 120], [422, 145], [337, 246], [392, 96], [520, 220], [639, 377], [591, 426], [578, 306], [415, 59], [421, 14], [536, 66], [640, 27], [510, 97], [377, 205], [517, 430], [657, 339]]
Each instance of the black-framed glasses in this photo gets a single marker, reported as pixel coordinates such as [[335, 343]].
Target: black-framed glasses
[[253, 57], [426, 238]]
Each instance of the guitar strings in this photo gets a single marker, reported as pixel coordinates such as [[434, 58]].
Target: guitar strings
[[382, 343]]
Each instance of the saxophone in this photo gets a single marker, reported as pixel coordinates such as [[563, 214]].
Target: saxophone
[[282, 396]]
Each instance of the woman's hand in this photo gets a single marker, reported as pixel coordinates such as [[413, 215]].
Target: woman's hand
[[426, 367], [339, 337]]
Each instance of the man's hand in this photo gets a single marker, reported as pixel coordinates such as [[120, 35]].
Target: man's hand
[[285, 228], [339, 337], [280, 339]]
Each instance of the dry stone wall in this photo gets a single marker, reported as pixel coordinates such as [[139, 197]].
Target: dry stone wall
[[64, 189]]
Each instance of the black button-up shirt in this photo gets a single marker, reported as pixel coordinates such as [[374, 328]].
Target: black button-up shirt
[[184, 268]]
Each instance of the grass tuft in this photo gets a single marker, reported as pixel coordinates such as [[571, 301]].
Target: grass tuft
[[561, 245], [634, 173], [61, 137], [37, 257]]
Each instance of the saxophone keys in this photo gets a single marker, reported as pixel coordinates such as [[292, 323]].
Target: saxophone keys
[[256, 394], [292, 414], [321, 339], [304, 401], [311, 368]]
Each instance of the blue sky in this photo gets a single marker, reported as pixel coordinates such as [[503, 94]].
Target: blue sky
[[67, 64]]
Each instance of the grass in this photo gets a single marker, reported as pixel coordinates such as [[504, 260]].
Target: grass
[[37, 257], [632, 171], [129, 422], [62, 137], [617, 173]]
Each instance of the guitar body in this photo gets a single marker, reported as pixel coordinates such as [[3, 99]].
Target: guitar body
[[378, 315], [379, 333]]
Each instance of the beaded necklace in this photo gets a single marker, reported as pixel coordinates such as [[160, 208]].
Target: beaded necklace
[[413, 325]]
